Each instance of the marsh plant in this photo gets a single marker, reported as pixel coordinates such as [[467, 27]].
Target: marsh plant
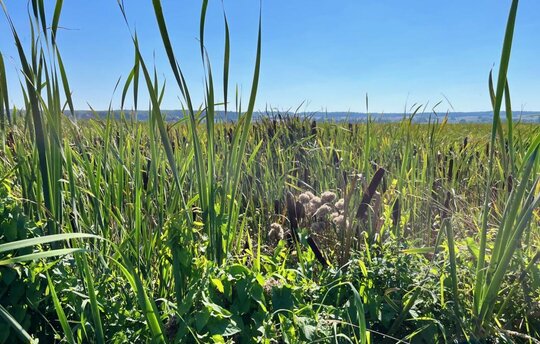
[[280, 230]]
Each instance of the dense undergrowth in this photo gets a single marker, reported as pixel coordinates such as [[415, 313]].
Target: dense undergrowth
[[282, 230]]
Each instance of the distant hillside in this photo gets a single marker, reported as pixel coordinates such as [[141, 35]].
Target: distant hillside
[[453, 117]]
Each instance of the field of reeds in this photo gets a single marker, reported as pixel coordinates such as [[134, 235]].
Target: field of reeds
[[280, 230]]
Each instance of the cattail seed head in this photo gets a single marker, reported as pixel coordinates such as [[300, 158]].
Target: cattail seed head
[[328, 196], [276, 233], [340, 222], [318, 227], [309, 210], [305, 197], [340, 204], [315, 202], [323, 210], [310, 194]]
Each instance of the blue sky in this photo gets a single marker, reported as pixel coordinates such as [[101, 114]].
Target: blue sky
[[326, 53]]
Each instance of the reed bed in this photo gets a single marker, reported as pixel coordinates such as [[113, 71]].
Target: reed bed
[[280, 230]]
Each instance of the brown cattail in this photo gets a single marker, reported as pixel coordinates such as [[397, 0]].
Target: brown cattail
[[230, 135], [291, 215], [336, 158], [446, 208], [318, 254], [465, 143], [145, 174], [73, 222], [194, 211], [377, 209], [396, 213], [277, 207], [435, 189], [270, 132], [10, 141], [509, 183], [300, 210], [368, 193], [450, 169]]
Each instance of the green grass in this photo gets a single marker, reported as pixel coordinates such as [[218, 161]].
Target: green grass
[[116, 230]]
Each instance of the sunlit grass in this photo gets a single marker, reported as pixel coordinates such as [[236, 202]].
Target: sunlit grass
[[160, 229]]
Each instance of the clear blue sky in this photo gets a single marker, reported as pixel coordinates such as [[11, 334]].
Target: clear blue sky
[[327, 53]]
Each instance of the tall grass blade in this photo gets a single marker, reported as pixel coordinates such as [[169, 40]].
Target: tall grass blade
[[237, 156], [40, 255], [226, 63], [60, 312], [36, 117], [501, 83], [147, 305], [19, 330], [47, 239], [56, 19], [65, 83], [4, 95], [98, 327]]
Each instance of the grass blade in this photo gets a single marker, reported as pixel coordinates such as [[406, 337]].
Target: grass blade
[[60, 312], [40, 255], [47, 239], [501, 83], [4, 314], [56, 19]]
